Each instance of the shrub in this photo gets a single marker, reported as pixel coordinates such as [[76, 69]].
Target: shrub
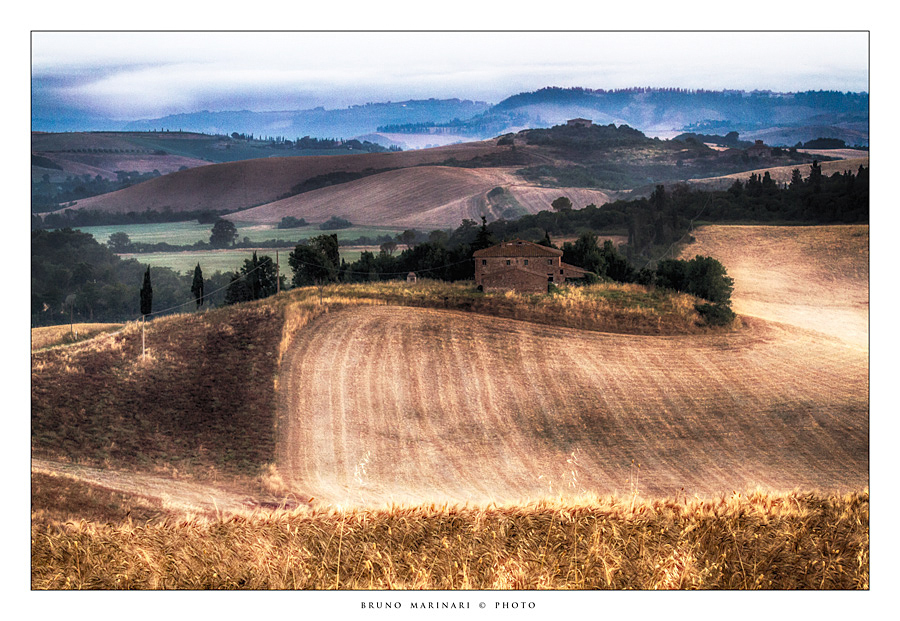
[[715, 314]]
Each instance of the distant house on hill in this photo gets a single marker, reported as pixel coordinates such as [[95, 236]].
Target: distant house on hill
[[522, 266], [759, 149], [579, 122]]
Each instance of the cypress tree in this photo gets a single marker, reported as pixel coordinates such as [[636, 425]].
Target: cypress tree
[[146, 294], [197, 286]]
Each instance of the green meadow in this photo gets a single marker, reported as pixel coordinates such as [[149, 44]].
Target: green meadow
[[212, 261], [188, 233]]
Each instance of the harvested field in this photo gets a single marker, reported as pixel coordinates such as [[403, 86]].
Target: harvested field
[[425, 197], [781, 174], [384, 405], [813, 277], [248, 183]]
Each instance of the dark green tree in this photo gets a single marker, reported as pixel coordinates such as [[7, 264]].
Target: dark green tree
[[815, 176], [256, 279], [407, 237], [316, 261], [585, 253], [146, 294], [223, 234], [119, 242], [546, 241], [483, 238], [197, 286], [617, 266], [562, 204]]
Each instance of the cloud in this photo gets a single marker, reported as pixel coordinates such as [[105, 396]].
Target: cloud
[[146, 74]]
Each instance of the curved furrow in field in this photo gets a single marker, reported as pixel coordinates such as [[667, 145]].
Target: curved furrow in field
[[400, 405]]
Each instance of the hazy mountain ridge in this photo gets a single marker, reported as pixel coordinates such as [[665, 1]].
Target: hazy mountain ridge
[[319, 122], [799, 116], [834, 114]]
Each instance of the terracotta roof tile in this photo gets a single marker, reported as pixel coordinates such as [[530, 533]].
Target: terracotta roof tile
[[517, 248]]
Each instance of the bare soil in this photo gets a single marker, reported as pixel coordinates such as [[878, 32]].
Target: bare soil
[[387, 405]]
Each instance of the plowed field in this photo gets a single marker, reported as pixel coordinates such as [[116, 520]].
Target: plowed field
[[425, 197], [815, 277], [387, 405]]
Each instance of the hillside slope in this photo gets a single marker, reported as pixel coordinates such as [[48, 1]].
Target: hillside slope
[[813, 277], [239, 185], [388, 405], [782, 174], [426, 197]]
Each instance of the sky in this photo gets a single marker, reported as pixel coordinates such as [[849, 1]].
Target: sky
[[133, 75]]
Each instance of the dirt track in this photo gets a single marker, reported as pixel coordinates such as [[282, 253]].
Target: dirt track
[[179, 496]]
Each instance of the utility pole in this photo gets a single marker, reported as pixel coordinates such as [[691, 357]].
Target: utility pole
[[277, 275]]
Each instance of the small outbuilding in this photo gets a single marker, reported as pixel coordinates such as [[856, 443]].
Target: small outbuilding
[[411, 278], [522, 266]]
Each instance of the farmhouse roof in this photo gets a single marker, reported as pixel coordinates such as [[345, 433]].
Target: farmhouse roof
[[517, 248]]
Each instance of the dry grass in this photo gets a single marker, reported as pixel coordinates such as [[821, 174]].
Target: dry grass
[[758, 541], [48, 336], [201, 399], [608, 307]]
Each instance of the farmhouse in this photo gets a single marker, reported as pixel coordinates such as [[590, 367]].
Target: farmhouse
[[579, 122], [522, 266], [759, 149]]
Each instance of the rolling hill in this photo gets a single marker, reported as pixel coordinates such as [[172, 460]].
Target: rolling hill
[[488, 409], [391, 424], [424, 197], [782, 174], [233, 186], [504, 178]]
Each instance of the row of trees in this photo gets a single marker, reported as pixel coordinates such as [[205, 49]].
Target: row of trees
[[74, 277]]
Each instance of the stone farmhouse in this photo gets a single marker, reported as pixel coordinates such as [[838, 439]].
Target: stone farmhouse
[[579, 122], [521, 266]]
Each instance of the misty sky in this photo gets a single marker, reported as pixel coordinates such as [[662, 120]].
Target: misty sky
[[131, 75]]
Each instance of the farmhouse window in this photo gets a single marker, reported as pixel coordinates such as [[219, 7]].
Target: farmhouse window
[[526, 261], [560, 271], [549, 261], [508, 262], [484, 261]]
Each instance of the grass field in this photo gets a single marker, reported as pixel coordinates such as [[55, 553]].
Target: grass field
[[760, 541], [212, 261], [69, 333], [187, 233]]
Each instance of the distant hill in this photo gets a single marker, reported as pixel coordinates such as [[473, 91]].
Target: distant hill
[[780, 119], [439, 187], [338, 123], [798, 117], [234, 186]]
